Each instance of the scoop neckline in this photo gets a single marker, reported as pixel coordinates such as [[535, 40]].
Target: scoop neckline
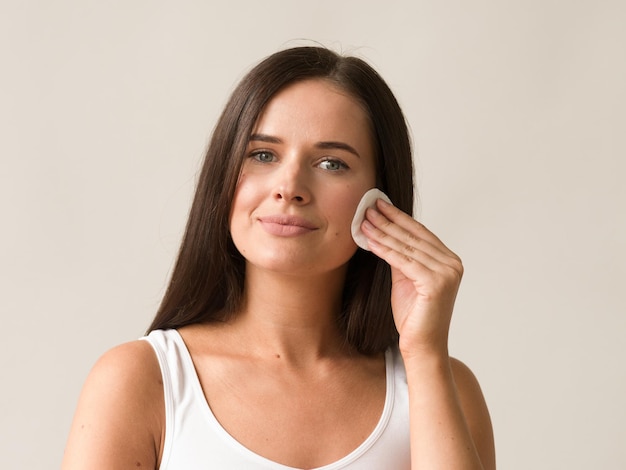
[[355, 454]]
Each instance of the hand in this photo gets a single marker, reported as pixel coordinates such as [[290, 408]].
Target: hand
[[425, 277]]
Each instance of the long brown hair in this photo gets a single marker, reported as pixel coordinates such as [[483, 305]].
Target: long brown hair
[[208, 277]]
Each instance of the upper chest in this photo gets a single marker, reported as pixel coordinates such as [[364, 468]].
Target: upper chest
[[299, 418]]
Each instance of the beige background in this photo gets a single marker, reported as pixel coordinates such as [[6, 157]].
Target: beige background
[[518, 115]]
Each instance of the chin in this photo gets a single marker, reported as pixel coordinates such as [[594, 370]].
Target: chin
[[290, 263]]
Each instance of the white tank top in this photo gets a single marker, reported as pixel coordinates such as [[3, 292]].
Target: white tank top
[[195, 440]]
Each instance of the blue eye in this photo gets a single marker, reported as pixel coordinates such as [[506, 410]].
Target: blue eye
[[263, 156], [333, 165]]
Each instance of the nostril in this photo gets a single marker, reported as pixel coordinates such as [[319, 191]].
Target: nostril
[[290, 195]]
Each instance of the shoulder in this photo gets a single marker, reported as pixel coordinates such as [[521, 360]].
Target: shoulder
[[120, 413], [463, 375], [133, 356], [467, 384], [126, 370], [475, 409]]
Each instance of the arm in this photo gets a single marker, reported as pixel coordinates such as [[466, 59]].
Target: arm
[[120, 414], [450, 425]]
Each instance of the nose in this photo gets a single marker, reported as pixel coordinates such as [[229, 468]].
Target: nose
[[292, 184]]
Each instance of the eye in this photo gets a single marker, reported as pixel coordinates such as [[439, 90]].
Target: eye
[[333, 165], [263, 156]]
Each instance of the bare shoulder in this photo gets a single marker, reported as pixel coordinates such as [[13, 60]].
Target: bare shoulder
[[463, 375], [129, 372], [475, 411], [120, 414], [136, 358]]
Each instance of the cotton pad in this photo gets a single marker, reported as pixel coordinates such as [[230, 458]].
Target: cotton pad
[[368, 200]]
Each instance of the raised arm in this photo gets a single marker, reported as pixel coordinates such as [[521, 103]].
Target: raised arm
[[450, 424], [120, 417]]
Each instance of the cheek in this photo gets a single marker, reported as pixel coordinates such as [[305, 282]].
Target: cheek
[[237, 220], [344, 209], [239, 206], [244, 196]]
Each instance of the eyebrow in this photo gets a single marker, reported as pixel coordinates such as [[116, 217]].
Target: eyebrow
[[321, 145], [265, 138]]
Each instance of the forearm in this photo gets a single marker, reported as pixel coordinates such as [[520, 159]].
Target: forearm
[[450, 425], [440, 435]]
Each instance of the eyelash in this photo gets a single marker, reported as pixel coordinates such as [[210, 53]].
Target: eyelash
[[342, 165], [257, 154]]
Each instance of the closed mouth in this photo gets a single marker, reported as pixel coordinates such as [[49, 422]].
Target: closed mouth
[[286, 225], [288, 220]]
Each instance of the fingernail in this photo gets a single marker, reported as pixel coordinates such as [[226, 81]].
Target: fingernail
[[372, 244], [367, 225]]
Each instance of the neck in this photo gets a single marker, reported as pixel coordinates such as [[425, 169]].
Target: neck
[[292, 317]]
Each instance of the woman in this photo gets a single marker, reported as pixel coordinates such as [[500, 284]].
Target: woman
[[279, 344]]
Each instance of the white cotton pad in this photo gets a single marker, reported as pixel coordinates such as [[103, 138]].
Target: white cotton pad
[[368, 200]]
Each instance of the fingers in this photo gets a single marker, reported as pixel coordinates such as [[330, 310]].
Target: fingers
[[398, 238]]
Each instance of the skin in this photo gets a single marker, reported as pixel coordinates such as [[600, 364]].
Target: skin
[[281, 367], [450, 425], [312, 161]]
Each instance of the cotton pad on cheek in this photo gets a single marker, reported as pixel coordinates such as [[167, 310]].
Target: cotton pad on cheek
[[368, 200]]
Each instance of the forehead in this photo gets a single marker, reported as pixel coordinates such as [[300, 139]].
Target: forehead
[[317, 108]]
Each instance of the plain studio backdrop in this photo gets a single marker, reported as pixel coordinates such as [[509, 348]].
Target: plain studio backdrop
[[517, 110]]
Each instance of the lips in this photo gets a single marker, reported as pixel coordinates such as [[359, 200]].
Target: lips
[[286, 225]]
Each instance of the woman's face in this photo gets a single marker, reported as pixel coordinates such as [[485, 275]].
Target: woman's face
[[309, 160]]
